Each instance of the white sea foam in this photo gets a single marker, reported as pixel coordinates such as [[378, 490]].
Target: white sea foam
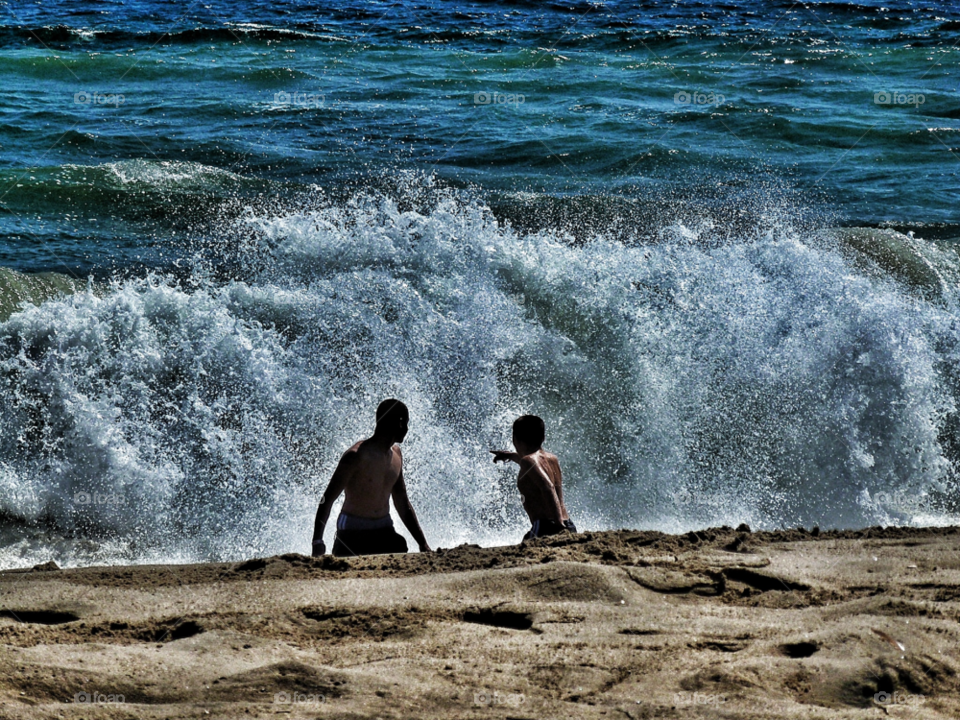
[[164, 174], [767, 380]]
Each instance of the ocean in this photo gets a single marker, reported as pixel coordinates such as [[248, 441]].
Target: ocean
[[713, 245]]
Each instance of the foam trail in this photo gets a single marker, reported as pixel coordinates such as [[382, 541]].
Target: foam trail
[[766, 379]]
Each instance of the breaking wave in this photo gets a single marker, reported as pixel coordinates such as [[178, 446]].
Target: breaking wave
[[778, 375]]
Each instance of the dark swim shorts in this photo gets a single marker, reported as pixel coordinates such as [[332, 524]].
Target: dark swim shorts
[[543, 528], [362, 536]]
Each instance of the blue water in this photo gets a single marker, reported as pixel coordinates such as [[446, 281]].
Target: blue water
[[241, 96], [621, 215]]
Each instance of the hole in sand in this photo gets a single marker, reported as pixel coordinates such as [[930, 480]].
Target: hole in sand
[[320, 615], [186, 629], [760, 581], [727, 646], [40, 617], [499, 618], [799, 649]]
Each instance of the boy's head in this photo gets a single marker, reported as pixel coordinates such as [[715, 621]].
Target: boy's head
[[392, 419], [529, 430]]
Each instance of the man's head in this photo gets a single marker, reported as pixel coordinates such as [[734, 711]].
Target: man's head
[[392, 420], [528, 433]]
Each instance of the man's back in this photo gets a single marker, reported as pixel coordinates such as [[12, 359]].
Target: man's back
[[372, 474]]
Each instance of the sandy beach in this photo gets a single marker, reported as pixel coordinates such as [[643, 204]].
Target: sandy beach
[[721, 623]]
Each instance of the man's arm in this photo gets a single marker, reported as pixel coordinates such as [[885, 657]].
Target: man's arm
[[337, 483], [405, 510], [532, 472]]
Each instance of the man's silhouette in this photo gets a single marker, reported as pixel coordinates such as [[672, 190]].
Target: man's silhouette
[[369, 474]]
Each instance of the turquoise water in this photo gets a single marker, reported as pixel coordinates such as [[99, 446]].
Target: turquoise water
[[200, 103], [622, 216]]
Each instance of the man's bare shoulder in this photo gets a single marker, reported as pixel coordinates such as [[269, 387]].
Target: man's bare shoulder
[[378, 454], [353, 454], [364, 452]]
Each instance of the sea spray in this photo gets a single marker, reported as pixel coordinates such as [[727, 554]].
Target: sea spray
[[697, 379]]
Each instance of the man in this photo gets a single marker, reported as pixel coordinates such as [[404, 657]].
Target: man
[[369, 474], [539, 481]]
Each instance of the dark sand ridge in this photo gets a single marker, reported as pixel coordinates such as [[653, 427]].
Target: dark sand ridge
[[715, 624]]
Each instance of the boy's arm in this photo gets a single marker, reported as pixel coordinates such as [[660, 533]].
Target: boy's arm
[[336, 486], [407, 515], [531, 471], [505, 455]]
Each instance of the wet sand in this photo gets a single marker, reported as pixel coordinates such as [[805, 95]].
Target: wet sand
[[722, 623]]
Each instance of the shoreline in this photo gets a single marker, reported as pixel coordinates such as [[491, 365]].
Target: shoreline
[[638, 624], [713, 536]]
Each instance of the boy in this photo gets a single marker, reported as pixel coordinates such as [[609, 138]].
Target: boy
[[539, 481], [369, 474]]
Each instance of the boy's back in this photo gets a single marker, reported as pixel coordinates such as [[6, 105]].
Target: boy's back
[[536, 501], [540, 480]]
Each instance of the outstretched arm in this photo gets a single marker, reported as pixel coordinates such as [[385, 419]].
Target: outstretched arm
[[405, 510], [504, 456], [337, 483]]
